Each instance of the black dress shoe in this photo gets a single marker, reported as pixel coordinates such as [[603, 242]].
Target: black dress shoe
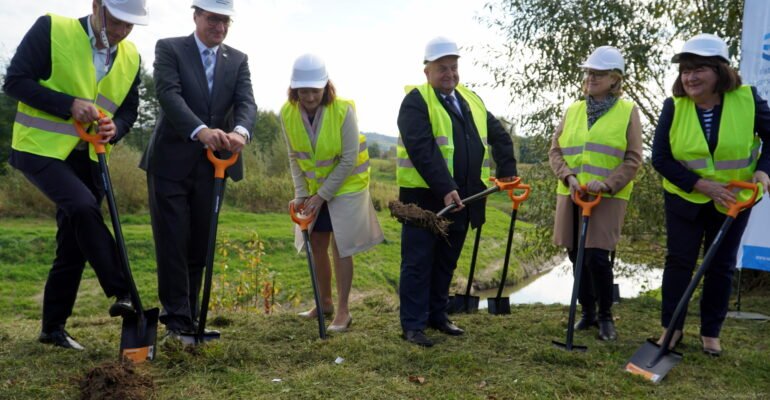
[[448, 328], [586, 322], [607, 330], [60, 338], [418, 338], [122, 307]]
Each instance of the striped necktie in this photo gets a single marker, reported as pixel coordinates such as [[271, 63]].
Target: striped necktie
[[208, 66]]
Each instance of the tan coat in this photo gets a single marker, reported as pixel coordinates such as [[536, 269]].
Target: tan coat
[[607, 217]]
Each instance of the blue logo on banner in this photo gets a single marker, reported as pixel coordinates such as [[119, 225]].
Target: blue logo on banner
[[756, 257], [766, 47]]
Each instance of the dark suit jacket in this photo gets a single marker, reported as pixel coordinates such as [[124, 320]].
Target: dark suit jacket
[[32, 64], [186, 103], [417, 135]]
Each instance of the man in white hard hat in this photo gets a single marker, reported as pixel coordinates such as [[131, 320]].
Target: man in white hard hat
[[206, 100], [88, 69], [446, 139]]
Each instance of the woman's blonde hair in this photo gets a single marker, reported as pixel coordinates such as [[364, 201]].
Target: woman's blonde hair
[[616, 90]]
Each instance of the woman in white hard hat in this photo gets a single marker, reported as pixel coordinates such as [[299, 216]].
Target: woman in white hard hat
[[330, 169], [708, 134], [597, 144]]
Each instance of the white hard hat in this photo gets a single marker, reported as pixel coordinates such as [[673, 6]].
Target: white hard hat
[[440, 46], [130, 11], [309, 71], [705, 45], [605, 58], [223, 7]]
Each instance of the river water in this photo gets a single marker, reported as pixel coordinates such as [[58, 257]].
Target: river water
[[555, 285]]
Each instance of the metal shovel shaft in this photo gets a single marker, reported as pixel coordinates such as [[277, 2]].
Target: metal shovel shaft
[[473, 263], [576, 283], [316, 294], [210, 250], [507, 259]]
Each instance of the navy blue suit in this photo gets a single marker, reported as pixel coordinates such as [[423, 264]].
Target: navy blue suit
[[74, 184], [428, 261]]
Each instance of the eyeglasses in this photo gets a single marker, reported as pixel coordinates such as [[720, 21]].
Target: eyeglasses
[[214, 21], [596, 74]]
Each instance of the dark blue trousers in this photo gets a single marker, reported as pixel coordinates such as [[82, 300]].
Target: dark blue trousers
[[75, 186], [427, 265], [688, 233]]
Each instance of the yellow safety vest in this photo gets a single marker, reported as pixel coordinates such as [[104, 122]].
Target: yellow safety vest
[[737, 151], [593, 154], [73, 73], [441, 123], [318, 163]]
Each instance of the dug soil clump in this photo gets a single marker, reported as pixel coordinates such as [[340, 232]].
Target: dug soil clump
[[116, 381], [417, 216]]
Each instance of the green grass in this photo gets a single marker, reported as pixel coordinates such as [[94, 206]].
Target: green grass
[[500, 357]]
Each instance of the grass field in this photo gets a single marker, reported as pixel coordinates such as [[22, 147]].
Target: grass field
[[279, 356]]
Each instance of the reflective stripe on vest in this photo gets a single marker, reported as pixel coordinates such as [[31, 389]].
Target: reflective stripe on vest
[[595, 154], [441, 124], [737, 151], [73, 73], [316, 164]]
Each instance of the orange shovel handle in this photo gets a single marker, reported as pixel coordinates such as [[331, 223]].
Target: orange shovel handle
[[296, 215], [220, 165], [93, 139], [740, 205], [586, 205], [506, 185], [518, 199]]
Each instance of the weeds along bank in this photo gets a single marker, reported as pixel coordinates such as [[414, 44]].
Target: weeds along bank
[[266, 186]]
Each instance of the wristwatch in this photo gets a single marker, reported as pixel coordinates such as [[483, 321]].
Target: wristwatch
[[243, 132]]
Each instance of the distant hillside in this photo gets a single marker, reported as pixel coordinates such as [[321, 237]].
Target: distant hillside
[[384, 141]]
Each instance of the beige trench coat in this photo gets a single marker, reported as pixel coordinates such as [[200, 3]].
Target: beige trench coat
[[353, 217], [607, 217]]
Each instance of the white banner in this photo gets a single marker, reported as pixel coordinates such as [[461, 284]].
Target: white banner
[[754, 252]]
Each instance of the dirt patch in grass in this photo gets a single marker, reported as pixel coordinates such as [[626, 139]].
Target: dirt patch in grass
[[116, 381]]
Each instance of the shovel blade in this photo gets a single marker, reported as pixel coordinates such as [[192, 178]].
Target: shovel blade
[[572, 347], [138, 336], [644, 363], [499, 305], [461, 303]]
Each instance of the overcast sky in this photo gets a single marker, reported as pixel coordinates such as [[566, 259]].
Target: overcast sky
[[372, 48]]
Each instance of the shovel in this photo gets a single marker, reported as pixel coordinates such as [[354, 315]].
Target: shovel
[[587, 207], [465, 303], [138, 334], [220, 166], [304, 222], [500, 305], [436, 223], [653, 362]]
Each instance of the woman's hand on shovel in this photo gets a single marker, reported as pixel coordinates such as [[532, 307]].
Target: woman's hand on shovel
[[313, 205], [574, 186]]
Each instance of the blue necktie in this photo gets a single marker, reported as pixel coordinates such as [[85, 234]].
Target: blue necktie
[[208, 66], [453, 102]]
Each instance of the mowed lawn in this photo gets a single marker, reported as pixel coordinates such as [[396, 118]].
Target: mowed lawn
[[280, 356]]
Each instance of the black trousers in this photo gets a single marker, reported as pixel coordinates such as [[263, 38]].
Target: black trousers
[[427, 265], [180, 212], [686, 236], [596, 282], [75, 186]]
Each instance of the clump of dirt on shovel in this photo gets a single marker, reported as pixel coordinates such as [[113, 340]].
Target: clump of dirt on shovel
[[116, 381], [417, 216]]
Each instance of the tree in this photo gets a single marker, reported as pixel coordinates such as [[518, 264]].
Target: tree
[[374, 150], [545, 42], [149, 109], [266, 130]]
